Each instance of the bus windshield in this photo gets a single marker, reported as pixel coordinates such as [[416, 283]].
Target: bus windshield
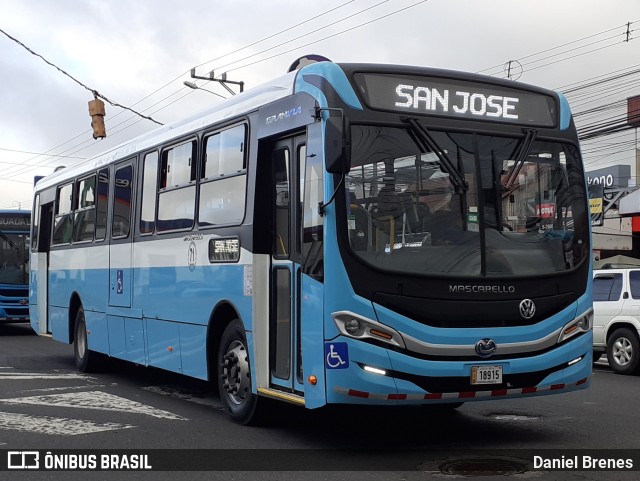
[[14, 258], [464, 204]]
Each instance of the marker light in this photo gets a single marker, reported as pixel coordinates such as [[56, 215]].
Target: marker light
[[381, 334], [312, 380]]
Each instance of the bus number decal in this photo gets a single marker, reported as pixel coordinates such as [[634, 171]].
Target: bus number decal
[[192, 256]]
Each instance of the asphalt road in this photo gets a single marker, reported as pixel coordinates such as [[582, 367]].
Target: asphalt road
[[45, 404]]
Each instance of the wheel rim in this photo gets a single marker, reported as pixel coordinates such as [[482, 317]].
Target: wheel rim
[[81, 341], [235, 373], [622, 351]]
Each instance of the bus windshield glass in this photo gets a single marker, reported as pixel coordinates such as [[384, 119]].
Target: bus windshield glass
[[444, 203], [14, 258]]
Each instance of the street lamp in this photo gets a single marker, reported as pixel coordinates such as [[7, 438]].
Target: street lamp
[[193, 86]]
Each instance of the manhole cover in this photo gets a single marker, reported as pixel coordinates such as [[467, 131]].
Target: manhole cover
[[485, 466]]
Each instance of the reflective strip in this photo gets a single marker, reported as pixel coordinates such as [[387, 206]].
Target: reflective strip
[[457, 395]]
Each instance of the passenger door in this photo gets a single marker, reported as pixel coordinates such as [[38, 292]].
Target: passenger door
[[285, 358]]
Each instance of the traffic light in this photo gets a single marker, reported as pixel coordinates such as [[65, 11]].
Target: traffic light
[[97, 112]]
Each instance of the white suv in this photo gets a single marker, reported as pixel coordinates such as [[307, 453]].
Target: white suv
[[616, 324]]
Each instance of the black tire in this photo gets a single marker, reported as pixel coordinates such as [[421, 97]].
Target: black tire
[[234, 377], [86, 360], [623, 351]]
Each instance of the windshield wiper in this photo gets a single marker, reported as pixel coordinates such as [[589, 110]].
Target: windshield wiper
[[522, 153], [426, 142]]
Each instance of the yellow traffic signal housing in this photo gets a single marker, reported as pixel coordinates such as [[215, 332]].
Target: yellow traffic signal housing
[[97, 112]]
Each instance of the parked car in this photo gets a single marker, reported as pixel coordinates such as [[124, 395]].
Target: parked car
[[616, 324]]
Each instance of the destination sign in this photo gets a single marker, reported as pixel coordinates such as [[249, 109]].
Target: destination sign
[[14, 222], [457, 98]]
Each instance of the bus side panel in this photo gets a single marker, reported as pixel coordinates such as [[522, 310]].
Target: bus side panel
[[97, 330], [60, 290], [91, 277], [59, 318], [162, 274], [82, 271], [37, 291], [163, 342], [193, 350], [134, 339], [117, 343], [312, 314]]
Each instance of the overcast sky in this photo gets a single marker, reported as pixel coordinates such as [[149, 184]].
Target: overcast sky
[[138, 53]]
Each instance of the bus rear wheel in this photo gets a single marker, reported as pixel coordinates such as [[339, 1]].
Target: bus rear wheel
[[86, 360], [234, 376]]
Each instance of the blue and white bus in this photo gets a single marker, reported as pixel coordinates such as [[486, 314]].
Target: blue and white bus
[[347, 233], [14, 265]]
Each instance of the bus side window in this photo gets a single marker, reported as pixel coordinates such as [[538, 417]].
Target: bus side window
[[102, 201], [63, 221], [281, 197], [122, 202], [35, 224], [312, 223], [177, 197], [223, 178], [85, 215], [149, 191]]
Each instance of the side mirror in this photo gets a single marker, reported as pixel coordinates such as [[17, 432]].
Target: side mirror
[[336, 146]]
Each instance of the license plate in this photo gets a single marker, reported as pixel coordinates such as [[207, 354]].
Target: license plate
[[486, 375]]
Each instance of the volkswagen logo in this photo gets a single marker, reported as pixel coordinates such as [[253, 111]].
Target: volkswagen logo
[[486, 347], [527, 308]]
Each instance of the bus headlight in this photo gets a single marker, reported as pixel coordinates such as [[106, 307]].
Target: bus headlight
[[580, 324], [359, 327]]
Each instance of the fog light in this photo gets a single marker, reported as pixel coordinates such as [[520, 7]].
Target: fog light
[[352, 326]]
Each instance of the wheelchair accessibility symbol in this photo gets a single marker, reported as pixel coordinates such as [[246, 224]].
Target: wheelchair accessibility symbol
[[336, 355]]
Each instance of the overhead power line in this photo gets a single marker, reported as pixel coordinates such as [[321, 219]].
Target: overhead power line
[[93, 91], [36, 153]]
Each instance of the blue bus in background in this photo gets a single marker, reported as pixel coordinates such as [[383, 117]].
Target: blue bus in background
[[343, 234], [15, 226]]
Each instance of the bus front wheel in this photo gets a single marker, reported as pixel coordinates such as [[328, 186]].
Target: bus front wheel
[[234, 376], [86, 360]]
